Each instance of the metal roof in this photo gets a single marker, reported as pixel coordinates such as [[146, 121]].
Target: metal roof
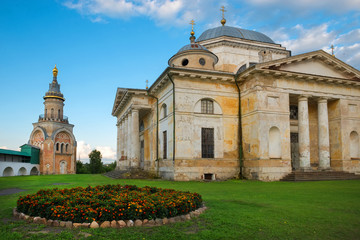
[[192, 46], [234, 32], [12, 152]]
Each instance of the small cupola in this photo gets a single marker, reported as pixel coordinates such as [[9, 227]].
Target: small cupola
[[193, 55]]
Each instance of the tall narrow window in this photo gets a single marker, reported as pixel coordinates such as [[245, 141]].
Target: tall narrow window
[[207, 106], [57, 147], [46, 113], [207, 142], [67, 148], [62, 148], [52, 113], [165, 145], [59, 114]]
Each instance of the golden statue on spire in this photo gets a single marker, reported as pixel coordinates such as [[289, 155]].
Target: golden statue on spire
[[223, 20], [55, 71], [332, 50]]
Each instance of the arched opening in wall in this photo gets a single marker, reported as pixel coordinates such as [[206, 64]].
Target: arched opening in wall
[[22, 171], [59, 114], [63, 165], [274, 143], [207, 106], [46, 113], [62, 148], [354, 145], [8, 172], [163, 111], [57, 147], [67, 148], [34, 171], [52, 113]]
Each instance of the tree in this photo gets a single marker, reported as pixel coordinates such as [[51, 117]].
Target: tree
[[96, 165], [82, 168]]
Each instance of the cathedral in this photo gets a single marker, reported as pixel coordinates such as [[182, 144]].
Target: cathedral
[[54, 135], [235, 103]]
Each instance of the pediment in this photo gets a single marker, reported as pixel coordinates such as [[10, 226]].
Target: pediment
[[313, 67], [318, 63]]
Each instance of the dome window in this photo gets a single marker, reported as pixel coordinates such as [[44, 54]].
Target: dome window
[[185, 62], [202, 61]]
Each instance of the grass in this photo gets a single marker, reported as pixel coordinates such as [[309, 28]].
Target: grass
[[237, 210]]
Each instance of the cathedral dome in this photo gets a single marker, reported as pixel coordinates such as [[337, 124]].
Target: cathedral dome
[[234, 32], [194, 55]]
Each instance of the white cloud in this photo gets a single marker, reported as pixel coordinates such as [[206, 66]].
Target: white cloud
[[328, 5], [4, 147], [177, 12], [310, 39], [84, 149], [346, 45]]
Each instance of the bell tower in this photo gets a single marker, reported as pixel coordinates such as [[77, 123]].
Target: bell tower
[[54, 101], [54, 135]]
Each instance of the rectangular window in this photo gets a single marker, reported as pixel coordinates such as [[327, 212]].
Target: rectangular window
[[207, 142], [164, 145], [207, 106]]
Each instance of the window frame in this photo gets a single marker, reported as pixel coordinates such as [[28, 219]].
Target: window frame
[[207, 106], [207, 143]]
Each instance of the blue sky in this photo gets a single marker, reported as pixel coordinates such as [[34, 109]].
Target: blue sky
[[99, 45]]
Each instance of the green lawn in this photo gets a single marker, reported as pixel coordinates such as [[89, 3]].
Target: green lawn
[[237, 210]]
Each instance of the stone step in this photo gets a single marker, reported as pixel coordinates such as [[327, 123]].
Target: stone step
[[320, 176]]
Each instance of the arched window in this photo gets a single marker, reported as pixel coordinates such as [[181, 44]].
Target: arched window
[[67, 148], [57, 147], [62, 148], [163, 111], [52, 113], [207, 106], [46, 114], [274, 143], [59, 114], [354, 145]]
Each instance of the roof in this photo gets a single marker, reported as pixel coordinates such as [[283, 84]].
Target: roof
[[234, 32], [192, 46], [12, 152]]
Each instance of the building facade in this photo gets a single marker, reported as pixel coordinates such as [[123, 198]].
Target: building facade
[[19, 163], [54, 135], [233, 103]]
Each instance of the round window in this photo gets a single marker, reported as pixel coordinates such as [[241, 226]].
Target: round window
[[185, 62], [202, 61]]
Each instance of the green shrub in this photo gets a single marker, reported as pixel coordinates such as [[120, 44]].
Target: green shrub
[[107, 203]]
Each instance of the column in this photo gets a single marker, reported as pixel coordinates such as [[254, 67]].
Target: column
[[323, 134], [125, 125], [118, 142], [135, 140], [304, 133], [128, 139], [121, 146]]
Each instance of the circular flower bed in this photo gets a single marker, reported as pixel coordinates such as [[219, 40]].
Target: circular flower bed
[[107, 203]]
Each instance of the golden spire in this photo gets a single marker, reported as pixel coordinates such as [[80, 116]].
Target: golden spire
[[55, 71], [192, 22], [332, 50], [192, 37], [223, 20], [147, 83]]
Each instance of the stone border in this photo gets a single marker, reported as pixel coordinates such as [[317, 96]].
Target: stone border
[[108, 224]]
